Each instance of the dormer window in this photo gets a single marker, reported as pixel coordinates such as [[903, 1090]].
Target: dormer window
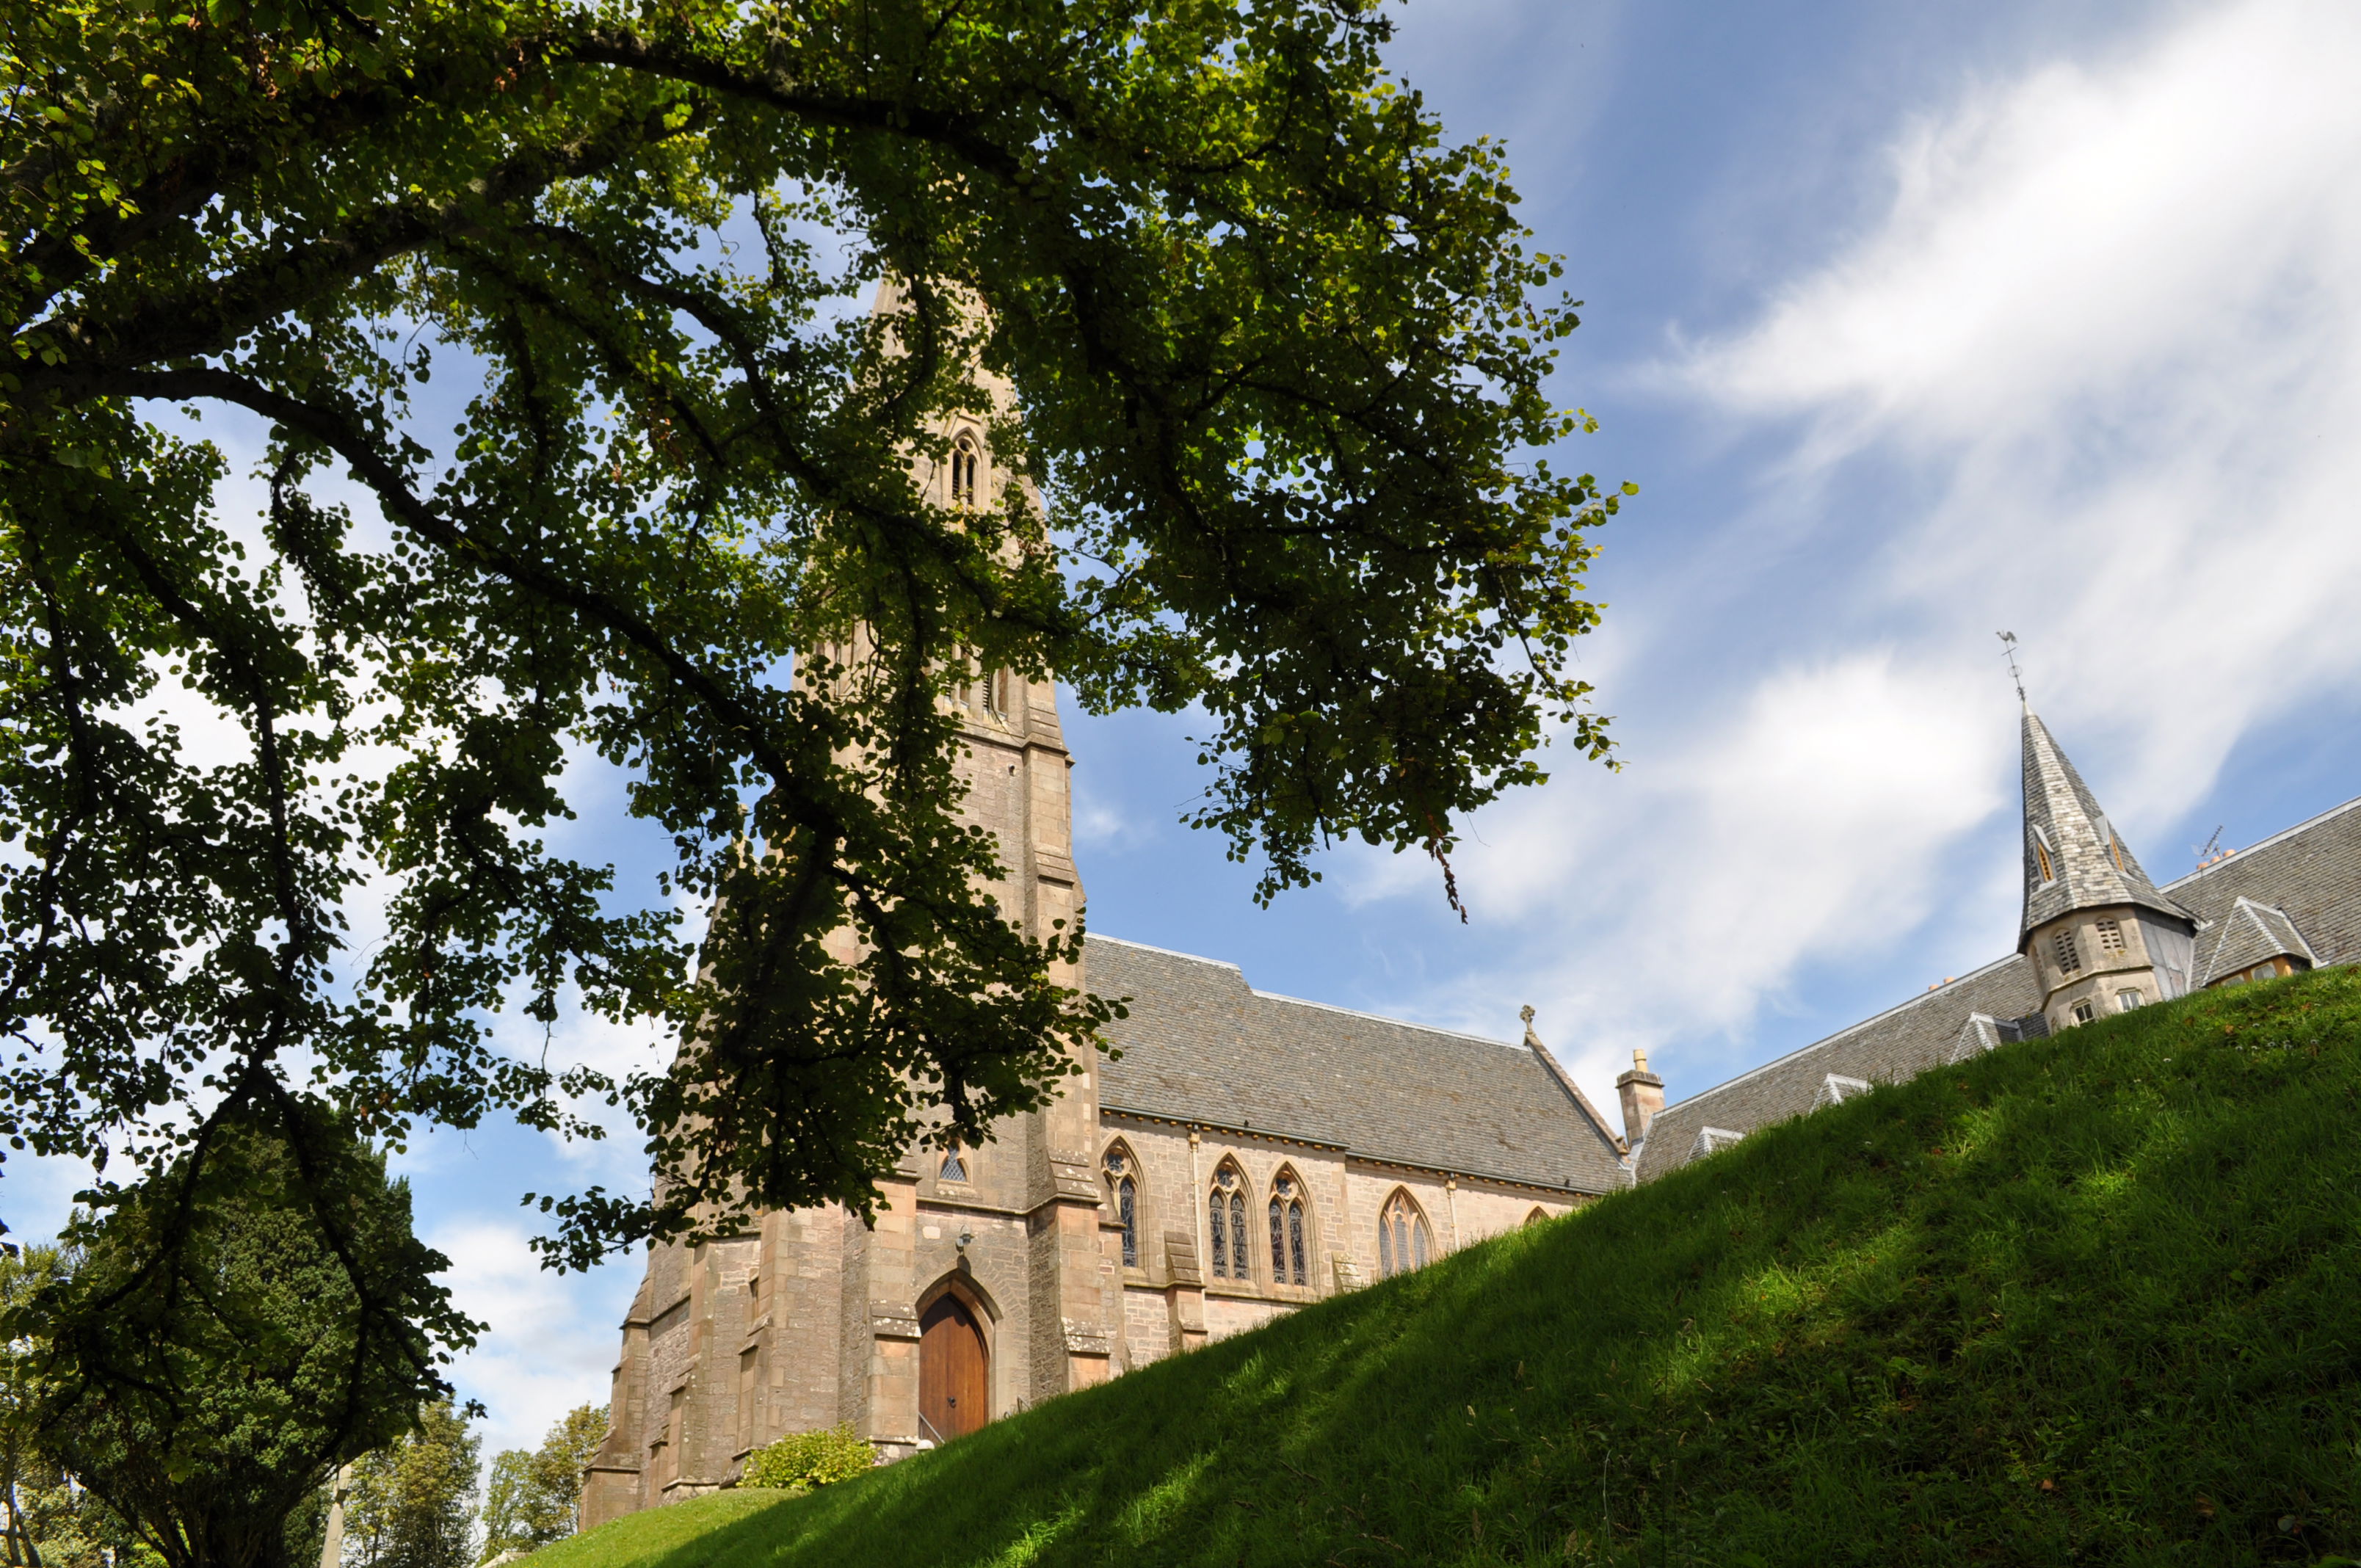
[[2041, 860], [964, 464], [2114, 845]]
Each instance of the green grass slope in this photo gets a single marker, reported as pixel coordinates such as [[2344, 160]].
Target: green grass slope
[[2089, 1300]]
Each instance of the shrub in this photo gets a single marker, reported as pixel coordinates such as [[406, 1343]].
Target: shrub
[[803, 1460]]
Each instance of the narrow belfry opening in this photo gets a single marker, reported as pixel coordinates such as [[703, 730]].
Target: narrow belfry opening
[[2069, 957], [963, 466]]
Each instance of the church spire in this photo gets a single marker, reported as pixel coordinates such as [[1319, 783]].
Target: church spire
[[2074, 858]]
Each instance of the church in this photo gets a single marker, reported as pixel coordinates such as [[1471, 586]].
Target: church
[[1240, 1154], [1235, 1156]]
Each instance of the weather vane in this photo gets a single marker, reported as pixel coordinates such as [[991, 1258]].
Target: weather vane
[[2008, 647]]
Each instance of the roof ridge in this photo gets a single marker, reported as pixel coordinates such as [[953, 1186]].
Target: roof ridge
[[2307, 822], [1920, 1000], [1167, 952], [1384, 1018]]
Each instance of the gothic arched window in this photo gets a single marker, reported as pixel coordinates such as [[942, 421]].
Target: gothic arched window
[[1225, 1223], [1402, 1241], [964, 459], [1289, 1264], [954, 1168], [1537, 1216], [1122, 1187]]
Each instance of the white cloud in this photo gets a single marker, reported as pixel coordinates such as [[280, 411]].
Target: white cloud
[[1670, 902], [552, 1343], [2113, 317], [2089, 374]]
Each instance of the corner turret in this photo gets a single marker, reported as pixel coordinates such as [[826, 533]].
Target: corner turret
[[2101, 937]]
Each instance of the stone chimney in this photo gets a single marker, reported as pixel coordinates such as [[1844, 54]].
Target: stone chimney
[[1643, 1096]]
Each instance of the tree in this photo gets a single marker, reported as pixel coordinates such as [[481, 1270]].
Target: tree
[[231, 1331], [1278, 349], [412, 1502], [535, 1498], [46, 1519]]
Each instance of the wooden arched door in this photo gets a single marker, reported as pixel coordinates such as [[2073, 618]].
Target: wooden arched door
[[952, 1370]]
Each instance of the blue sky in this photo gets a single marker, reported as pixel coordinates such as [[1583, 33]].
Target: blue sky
[[1913, 324]]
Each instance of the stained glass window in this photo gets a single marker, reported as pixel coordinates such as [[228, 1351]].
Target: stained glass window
[[1125, 1189], [1225, 1215], [1286, 1250]]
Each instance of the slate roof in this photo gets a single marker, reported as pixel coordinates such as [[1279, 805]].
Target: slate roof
[[2091, 867], [2312, 872], [1202, 1046], [1898, 1044], [2298, 892]]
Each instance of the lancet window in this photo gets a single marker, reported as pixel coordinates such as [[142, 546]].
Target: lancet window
[[1122, 1190], [1225, 1224], [1402, 1240], [964, 464], [1289, 1264]]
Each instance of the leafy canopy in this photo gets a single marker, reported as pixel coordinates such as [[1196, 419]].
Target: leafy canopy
[[1280, 353], [230, 1332]]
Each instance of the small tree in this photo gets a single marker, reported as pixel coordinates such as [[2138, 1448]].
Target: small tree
[[535, 1498], [232, 1330], [413, 1502]]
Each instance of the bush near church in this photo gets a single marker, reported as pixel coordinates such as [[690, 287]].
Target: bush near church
[[800, 1460]]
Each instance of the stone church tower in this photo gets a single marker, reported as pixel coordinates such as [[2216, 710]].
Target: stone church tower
[[1243, 1155], [2099, 935], [1001, 1291]]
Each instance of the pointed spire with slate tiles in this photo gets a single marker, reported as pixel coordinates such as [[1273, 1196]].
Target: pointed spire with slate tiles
[[2073, 858]]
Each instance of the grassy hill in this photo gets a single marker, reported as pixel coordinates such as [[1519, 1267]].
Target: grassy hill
[[2092, 1299]]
